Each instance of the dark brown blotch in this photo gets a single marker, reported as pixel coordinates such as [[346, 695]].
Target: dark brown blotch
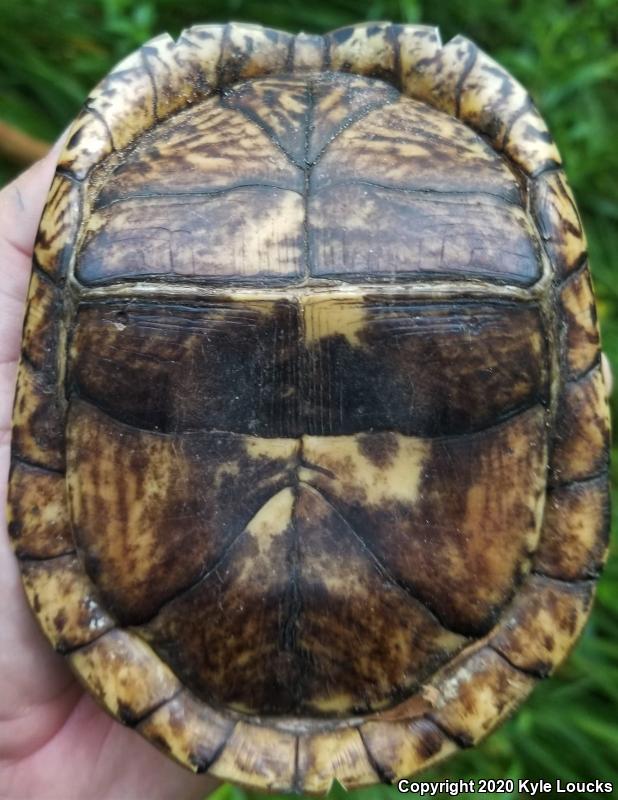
[[342, 35], [75, 138], [379, 448], [430, 738], [60, 620], [126, 714]]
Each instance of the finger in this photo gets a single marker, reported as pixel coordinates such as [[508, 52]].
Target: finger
[[120, 764], [21, 204], [31, 675]]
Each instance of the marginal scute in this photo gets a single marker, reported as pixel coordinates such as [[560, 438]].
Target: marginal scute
[[124, 675], [39, 524], [529, 144], [443, 73], [42, 321], [403, 748], [580, 320], [463, 81], [308, 52], [66, 605], [418, 46], [581, 445], [553, 206], [123, 102], [58, 227], [162, 77], [182, 72], [201, 45], [476, 692], [188, 730], [336, 755], [545, 619], [38, 432], [257, 756], [366, 49], [251, 51], [575, 531], [88, 143], [490, 99]]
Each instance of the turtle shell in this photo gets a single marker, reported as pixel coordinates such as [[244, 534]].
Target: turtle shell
[[310, 445]]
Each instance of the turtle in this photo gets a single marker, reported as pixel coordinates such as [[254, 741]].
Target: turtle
[[310, 444]]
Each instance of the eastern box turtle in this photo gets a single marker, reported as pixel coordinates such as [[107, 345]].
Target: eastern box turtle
[[310, 445]]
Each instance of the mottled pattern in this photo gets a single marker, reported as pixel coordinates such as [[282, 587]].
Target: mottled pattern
[[39, 524], [122, 674], [408, 146], [67, 608], [164, 76], [54, 239], [435, 518], [316, 123], [299, 366], [188, 730], [38, 432], [579, 317], [300, 590], [151, 512], [89, 141], [250, 51], [581, 449], [289, 177], [559, 222], [575, 530], [303, 116], [214, 148], [539, 628], [341, 756], [368, 231], [402, 748], [307, 52], [42, 321], [188, 237], [477, 692], [377, 491], [418, 46], [258, 756], [366, 50]]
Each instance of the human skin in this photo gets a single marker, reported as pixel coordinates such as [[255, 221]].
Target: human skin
[[55, 742]]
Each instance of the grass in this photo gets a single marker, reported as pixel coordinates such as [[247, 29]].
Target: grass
[[51, 54]]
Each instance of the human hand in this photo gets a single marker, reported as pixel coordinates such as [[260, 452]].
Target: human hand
[[55, 742]]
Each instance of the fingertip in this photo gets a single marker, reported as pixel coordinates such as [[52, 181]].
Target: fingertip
[[22, 200]]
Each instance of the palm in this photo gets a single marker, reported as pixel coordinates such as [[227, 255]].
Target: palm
[[54, 741]]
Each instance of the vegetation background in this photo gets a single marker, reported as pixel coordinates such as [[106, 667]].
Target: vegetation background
[[566, 53]]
